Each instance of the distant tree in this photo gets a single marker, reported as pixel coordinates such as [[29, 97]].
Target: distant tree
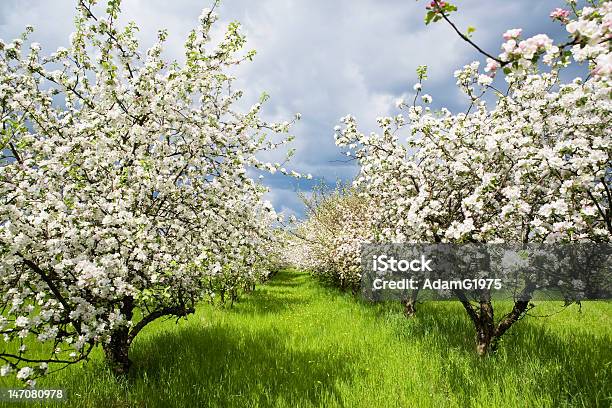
[[328, 242]]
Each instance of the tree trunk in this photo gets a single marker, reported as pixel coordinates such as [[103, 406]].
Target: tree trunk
[[484, 343], [409, 307], [410, 303], [483, 319], [117, 350], [485, 330], [233, 297]]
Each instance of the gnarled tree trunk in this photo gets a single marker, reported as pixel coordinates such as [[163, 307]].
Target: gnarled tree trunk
[[117, 350], [488, 332], [485, 327], [410, 302]]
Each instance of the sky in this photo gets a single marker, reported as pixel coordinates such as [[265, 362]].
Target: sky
[[321, 58]]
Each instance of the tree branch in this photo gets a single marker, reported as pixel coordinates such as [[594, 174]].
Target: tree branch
[[47, 280], [179, 311], [466, 38]]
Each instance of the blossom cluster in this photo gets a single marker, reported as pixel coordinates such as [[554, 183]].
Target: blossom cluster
[[534, 167], [125, 187], [590, 40]]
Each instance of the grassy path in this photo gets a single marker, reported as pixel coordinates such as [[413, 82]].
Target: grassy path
[[294, 343]]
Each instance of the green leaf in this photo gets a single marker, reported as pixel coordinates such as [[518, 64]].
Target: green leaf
[[449, 8], [429, 16], [470, 30], [422, 72]]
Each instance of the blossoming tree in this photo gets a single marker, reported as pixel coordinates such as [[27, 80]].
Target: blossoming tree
[[533, 168], [124, 187], [328, 241]]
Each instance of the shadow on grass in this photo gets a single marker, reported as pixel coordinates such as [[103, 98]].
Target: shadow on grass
[[240, 366], [570, 371], [224, 367]]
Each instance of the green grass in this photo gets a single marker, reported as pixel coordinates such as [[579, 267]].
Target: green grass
[[295, 343]]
